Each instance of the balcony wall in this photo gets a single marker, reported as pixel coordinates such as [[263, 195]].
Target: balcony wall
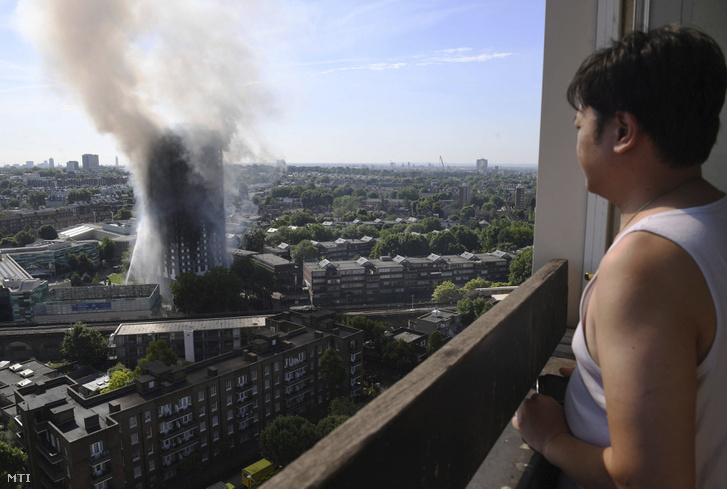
[[435, 427]]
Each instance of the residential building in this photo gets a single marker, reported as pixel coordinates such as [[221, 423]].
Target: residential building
[[90, 162], [191, 340], [386, 280], [445, 321], [191, 215], [285, 271], [519, 197], [463, 195], [148, 432], [482, 165], [345, 249]]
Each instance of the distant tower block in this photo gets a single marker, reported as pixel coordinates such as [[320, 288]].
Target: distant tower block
[[519, 196], [482, 165], [90, 162], [117, 161], [51, 163], [464, 195]]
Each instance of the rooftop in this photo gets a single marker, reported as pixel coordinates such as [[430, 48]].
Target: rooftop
[[190, 325]]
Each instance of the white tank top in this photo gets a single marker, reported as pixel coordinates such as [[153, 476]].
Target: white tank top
[[701, 232]]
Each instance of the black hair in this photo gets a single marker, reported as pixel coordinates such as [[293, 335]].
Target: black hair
[[671, 79]]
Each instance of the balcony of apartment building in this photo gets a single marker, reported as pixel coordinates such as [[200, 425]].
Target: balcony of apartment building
[[48, 451], [447, 423], [179, 442], [174, 426], [51, 473], [101, 473], [97, 458]]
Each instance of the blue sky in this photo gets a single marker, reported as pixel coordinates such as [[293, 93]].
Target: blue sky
[[342, 82]]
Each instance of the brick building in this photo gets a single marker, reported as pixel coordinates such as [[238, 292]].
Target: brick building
[[151, 431], [385, 280]]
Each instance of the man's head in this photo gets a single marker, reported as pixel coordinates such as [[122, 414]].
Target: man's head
[[672, 80]]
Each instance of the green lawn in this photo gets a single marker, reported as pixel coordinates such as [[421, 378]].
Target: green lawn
[[118, 278]]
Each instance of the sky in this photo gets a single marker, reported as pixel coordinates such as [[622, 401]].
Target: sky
[[333, 81]]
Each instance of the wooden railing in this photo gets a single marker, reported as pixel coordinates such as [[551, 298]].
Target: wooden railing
[[435, 427]]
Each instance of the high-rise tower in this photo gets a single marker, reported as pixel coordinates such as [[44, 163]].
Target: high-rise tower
[[185, 205], [90, 162]]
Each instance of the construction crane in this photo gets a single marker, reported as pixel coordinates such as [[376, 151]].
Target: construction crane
[[441, 161]]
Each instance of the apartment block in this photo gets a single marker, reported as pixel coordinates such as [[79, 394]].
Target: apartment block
[[173, 418], [191, 340], [345, 249], [385, 280]]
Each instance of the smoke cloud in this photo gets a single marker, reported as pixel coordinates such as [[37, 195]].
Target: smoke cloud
[[173, 82]]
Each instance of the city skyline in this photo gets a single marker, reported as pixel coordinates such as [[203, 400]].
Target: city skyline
[[335, 82]]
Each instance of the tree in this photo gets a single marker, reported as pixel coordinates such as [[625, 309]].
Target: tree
[[435, 342], [342, 406], [84, 345], [333, 371], [476, 283], [24, 238], [446, 292], [119, 376], [82, 195], [12, 461], [374, 333], [408, 193], [330, 423], [400, 355], [467, 212], [445, 243], [347, 203], [76, 279], [286, 438], [107, 250], [159, 350], [46, 231], [521, 267], [469, 309], [8, 242], [37, 199], [301, 218], [123, 214], [9, 435], [303, 252], [254, 240], [218, 290]]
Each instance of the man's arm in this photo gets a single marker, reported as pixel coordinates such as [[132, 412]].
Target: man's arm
[[646, 325], [651, 311]]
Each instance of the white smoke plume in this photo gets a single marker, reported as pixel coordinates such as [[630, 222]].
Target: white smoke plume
[[143, 69]]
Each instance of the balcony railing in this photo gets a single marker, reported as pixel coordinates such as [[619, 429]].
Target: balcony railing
[[435, 427]]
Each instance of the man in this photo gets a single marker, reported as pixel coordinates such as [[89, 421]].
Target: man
[[646, 405]]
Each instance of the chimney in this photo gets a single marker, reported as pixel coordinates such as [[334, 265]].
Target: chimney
[[90, 422]]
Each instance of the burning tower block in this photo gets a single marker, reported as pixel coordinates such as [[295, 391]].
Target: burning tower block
[[185, 205]]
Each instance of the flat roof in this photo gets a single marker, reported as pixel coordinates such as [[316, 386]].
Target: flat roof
[[76, 231], [190, 325], [11, 270]]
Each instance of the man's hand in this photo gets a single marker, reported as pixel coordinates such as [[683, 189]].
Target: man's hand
[[540, 419]]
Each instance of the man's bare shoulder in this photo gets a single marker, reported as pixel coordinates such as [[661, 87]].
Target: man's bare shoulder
[[647, 281], [642, 258]]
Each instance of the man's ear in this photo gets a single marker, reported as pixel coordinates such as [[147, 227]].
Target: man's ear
[[628, 131]]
